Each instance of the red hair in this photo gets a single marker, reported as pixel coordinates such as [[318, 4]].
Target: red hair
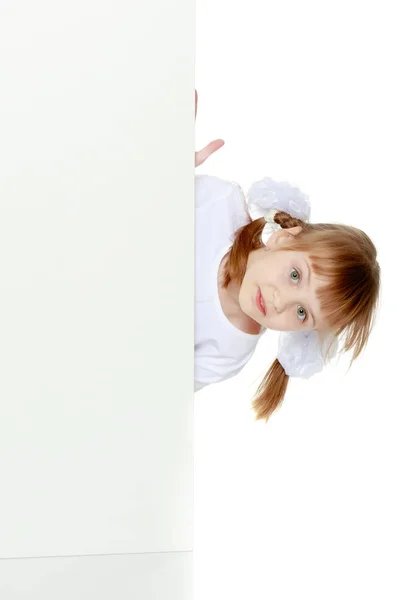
[[346, 258]]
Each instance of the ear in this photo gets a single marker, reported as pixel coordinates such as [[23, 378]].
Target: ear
[[283, 236]]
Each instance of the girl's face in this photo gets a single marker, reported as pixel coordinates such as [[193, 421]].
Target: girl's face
[[279, 289]]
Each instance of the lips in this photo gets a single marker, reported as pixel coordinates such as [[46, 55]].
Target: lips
[[260, 303]]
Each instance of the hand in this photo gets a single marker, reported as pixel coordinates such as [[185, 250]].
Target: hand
[[202, 155]]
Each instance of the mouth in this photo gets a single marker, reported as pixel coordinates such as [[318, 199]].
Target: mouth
[[260, 303]]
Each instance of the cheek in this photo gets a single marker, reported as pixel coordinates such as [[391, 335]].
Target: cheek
[[252, 278], [245, 298], [261, 274]]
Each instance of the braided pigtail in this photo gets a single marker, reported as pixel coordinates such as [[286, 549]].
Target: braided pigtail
[[287, 222], [271, 391]]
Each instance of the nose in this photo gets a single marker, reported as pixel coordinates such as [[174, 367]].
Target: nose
[[279, 302], [287, 298]]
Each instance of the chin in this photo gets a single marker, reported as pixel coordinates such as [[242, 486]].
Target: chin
[[245, 305], [250, 312], [257, 320]]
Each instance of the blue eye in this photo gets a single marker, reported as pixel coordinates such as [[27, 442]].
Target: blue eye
[[294, 275], [301, 313]]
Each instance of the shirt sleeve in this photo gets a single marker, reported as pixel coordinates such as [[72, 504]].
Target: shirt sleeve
[[198, 385]]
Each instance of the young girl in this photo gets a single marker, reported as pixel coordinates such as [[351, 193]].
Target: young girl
[[314, 282]]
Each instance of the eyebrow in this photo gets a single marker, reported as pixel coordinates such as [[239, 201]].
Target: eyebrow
[[308, 283]]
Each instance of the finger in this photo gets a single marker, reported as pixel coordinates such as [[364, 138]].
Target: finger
[[203, 154], [209, 149]]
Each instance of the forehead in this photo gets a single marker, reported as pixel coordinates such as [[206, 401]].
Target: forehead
[[302, 260]]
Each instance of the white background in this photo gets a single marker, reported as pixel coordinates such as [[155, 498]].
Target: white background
[[306, 506]]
